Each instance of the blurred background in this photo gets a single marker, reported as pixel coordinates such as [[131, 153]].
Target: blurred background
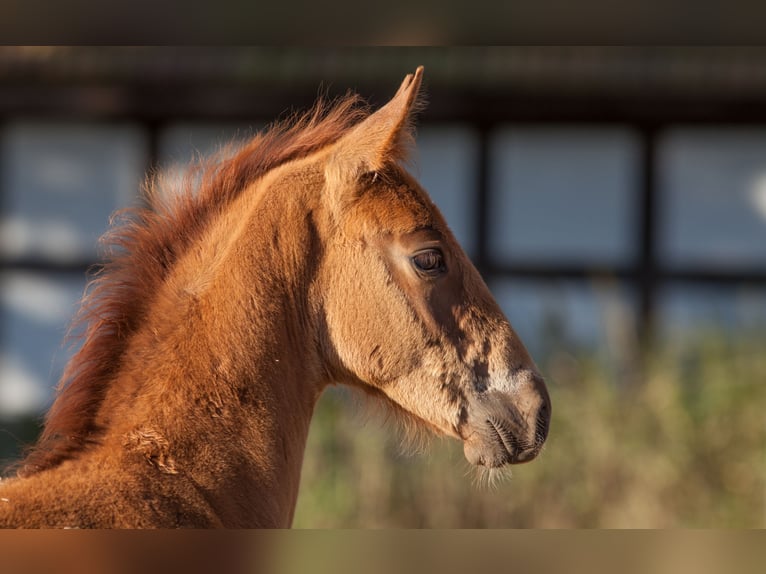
[[613, 198]]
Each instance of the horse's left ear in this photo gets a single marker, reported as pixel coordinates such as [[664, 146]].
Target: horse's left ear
[[383, 137]]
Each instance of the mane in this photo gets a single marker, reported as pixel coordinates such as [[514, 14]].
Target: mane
[[141, 248]]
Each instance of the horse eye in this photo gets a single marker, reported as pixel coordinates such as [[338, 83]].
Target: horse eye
[[430, 261]]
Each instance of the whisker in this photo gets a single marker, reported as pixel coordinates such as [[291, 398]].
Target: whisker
[[491, 478], [507, 437]]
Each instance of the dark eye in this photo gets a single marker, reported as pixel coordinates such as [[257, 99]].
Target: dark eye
[[429, 262]]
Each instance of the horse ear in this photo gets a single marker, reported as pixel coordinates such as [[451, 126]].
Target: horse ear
[[383, 137]]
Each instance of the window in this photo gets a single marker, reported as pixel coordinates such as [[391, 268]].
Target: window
[[567, 315], [445, 164], [712, 188], [563, 194], [59, 185], [35, 311]]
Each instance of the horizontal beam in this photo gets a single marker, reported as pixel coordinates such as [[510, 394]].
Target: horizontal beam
[[554, 271], [151, 102]]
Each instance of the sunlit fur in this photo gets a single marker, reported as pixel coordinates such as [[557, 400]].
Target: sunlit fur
[[234, 297], [413, 438]]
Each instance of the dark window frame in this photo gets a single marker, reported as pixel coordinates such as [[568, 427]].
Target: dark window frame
[[483, 112]]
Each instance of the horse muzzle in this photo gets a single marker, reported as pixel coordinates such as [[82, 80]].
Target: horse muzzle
[[508, 427]]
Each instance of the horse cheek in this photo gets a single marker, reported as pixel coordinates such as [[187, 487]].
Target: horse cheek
[[367, 326]]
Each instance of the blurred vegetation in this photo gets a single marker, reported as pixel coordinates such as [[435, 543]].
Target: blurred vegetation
[[678, 443]]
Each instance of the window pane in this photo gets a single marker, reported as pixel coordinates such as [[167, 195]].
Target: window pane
[[563, 194], [61, 182], [685, 310], [446, 165], [568, 314], [35, 311], [712, 186]]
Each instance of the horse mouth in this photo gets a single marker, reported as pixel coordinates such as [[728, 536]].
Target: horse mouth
[[510, 449], [507, 443], [506, 438], [503, 437]]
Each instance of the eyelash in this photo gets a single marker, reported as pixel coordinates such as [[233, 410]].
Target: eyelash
[[429, 262]]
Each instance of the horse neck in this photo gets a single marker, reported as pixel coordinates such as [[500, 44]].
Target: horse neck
[[226, 371]]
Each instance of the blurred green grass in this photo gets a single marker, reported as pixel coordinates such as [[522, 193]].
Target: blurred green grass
[[678, 442]]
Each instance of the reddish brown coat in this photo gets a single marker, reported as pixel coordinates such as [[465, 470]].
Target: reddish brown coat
[[308, 258]]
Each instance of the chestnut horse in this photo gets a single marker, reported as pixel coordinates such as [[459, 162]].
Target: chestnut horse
[[310, 257]]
